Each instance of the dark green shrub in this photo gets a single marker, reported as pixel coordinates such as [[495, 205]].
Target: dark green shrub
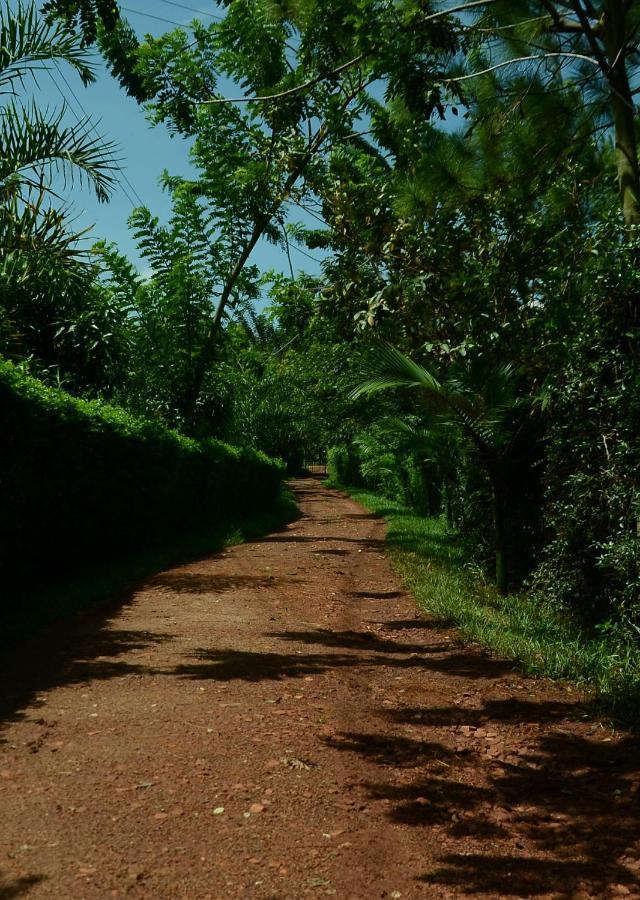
[[591, 561], [422, 491], [342, 465], [82, 483]]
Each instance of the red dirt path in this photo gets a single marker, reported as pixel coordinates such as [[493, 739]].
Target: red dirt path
[[275, 722]]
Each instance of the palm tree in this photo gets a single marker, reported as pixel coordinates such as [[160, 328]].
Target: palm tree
[[484, 417], [35, 145]]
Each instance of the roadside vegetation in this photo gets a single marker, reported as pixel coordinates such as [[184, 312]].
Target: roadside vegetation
[[525, 628], [93, 498]]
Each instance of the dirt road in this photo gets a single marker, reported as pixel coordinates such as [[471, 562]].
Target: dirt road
[[275, 722]]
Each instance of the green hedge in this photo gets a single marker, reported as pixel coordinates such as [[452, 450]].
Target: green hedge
[[83, 482], [403, 479], [343, 466]]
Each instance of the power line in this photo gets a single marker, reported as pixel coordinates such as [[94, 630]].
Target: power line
[[304, 253], [193, 9], [95, 130], [311, 213], [79, 121], [147, 15], [92, 127]]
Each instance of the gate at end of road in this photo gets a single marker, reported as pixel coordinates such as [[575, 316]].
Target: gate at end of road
[[316, 466]]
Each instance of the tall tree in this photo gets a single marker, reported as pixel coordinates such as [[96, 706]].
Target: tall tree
[[266, 95], [579, 45]]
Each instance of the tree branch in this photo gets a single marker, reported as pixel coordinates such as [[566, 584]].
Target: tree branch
[[347, 65], [591, 38], [520, 59], [294, 90]]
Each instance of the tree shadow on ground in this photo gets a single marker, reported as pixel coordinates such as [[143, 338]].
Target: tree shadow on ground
[[75, 651], [361, 517], [429, 549], [390, 750], [313, 494], [541, 810], [465, 664], [396, 512], [356, 640], [510, 875], [364, 543], [418, 623], [196, 583], [508, 710], [331, 551], [242, 665], [18, 887], [220, 664]]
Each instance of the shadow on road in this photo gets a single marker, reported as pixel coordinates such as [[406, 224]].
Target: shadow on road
[[77, 651], [18, 887], [574, 798]]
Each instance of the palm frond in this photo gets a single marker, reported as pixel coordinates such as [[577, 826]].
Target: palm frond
[[415, 436], [390, 368], [37, 242], [480, 412], [37, 142], [28, 42]]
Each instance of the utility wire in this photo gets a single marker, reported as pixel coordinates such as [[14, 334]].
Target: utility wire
[[200, 12], [79, 121], [147, 15], [95, 130], [304, 253]]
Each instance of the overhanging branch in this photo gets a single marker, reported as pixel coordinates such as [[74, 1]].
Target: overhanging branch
[[344, 66], [521, 59]]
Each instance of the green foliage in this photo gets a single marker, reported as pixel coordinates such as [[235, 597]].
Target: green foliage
[[386, 459], [28, 43], [34, 142], [591, 562], [515, 49], [102, 22], [85, 15], [532, 631], [483, 407], [41, 258], [342, 466], [379, 467], [84, 483], [170, 312], [290, 378], [294, 404], [475, 250]]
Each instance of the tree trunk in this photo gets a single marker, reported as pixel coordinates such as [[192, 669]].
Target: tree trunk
[[626, 156], [622, 106], [208, 350], [500, 534]]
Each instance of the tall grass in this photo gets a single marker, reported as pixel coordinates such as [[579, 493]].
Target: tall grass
[[518, 627]]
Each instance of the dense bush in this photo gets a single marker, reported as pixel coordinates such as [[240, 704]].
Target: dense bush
[[82, 482], [591, 561], [379, 463], [342, 465]]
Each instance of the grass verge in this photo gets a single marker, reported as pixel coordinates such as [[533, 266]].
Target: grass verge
[[519, 627], [90, 590]]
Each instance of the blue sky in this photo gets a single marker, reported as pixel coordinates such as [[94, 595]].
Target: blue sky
[[145, 151]]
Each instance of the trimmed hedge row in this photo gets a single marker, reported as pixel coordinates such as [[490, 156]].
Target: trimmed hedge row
[[83, 482]]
